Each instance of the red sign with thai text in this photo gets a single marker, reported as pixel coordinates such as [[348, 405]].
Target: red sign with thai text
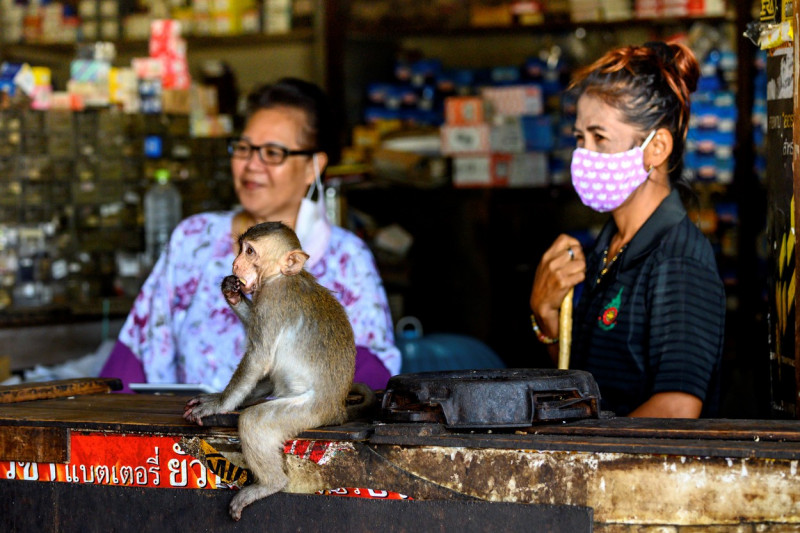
[[117, 459]]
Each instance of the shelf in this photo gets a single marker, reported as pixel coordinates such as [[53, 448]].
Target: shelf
[[399, 31], [139, 47]]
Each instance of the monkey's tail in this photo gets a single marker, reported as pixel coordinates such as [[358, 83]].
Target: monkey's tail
[[361, 402]]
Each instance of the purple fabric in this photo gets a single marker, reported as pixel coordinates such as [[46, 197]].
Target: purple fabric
[[124, 365], [370, 369]]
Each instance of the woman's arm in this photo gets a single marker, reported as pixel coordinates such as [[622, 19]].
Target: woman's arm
[[670, 405], [687, 319]]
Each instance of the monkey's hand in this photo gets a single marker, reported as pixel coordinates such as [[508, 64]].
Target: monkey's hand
[[203, 405], [232, 289]]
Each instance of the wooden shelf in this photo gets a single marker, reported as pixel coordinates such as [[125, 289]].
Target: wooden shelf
[[137, 47], [398, 31]]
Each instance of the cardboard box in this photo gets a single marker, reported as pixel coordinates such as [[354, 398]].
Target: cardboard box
[[506, 136], [530, 169], [464, 110], [490, 170], [514, 100], [472, 171], [465, 139], [175, 101]]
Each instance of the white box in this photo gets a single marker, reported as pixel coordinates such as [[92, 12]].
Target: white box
[[472, 171], [465, 139]]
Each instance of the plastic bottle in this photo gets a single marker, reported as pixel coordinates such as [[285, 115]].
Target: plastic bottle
[[162, 212]]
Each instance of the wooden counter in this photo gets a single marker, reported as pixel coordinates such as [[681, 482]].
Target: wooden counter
[[135, 454]]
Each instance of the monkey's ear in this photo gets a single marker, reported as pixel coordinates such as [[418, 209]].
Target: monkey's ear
[[292, 263]]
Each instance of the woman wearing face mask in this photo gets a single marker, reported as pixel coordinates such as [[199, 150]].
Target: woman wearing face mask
[[650, 318], [181, 329]]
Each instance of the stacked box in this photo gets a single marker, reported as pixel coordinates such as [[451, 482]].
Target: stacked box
[[11, 21], [489, 138], [232, 17], [167, 46], [584, 10], [99, 20], [277, 16], [124, 89], [710, 141], [648, 9], [89, 78], [514, 100], [41, 94], [612, 10]]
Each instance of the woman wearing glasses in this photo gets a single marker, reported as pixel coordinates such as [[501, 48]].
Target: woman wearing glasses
[[180, 329]]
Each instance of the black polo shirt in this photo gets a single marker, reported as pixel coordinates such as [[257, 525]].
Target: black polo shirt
[[655, 321]]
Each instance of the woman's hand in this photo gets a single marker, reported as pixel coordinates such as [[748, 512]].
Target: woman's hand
[[562, 267]]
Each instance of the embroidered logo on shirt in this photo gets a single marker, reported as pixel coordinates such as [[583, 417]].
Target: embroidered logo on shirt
[[608, 318]]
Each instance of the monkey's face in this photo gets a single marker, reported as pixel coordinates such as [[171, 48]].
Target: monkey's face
[[274, 192], [256, 262]]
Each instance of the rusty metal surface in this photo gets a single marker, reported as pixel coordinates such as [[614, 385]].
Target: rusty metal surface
[[643, 489], [566, 439], [66, 508], [34, 444], [64, 388]]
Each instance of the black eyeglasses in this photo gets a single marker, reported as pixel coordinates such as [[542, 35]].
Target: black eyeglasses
[[269, 153]]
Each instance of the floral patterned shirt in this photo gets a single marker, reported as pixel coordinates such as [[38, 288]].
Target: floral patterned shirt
[[182, 330]]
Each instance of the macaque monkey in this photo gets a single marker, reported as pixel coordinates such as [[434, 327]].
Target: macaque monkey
[[300, 353]]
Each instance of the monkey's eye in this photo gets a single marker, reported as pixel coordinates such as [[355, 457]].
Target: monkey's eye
[[249, 250]]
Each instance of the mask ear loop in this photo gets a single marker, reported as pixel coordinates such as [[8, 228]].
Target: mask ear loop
[[648, 139], [644, 145], [317, 179]]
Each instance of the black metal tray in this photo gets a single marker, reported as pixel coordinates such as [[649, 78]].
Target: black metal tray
[[501, 398]]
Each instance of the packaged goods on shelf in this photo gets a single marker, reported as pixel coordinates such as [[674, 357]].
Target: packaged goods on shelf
[[613, 10], [82, 175], [472, 139], [492, 121], [490, 15], [464, 110], [506, 135], [530, 169], [277, 16], [710, 141], [584, 10], [480, 171], [514, 100], [501, 170], [527, 13], [648, 9]]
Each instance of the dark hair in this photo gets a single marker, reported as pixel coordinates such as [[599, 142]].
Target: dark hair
[[265, 229], [650, 86], [298, 94]]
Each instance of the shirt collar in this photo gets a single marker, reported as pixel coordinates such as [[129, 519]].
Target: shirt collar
[[669, 213]]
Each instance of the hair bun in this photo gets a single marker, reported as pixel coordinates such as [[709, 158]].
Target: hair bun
[[678, 63], [662, 50]]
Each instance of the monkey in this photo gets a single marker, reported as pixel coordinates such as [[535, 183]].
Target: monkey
[[300, 352]]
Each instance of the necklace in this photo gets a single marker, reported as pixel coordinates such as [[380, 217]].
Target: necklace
[[607, 264]]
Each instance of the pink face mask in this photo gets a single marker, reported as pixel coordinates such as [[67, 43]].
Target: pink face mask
[[604, 181]]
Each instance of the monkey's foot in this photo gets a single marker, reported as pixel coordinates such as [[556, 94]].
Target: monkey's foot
[[248, 495]]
